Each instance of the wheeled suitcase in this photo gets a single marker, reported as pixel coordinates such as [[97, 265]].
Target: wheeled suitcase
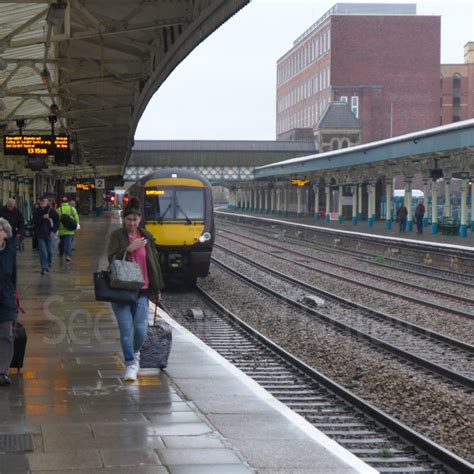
[[19, 346], [157, 347]]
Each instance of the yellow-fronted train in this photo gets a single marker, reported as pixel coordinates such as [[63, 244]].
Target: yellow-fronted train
[[177, 209]]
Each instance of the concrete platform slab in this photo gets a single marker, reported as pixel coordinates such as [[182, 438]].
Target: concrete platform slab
[[195, 418]]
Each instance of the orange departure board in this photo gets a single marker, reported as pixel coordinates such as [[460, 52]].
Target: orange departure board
[[300, 182], [34, 145]]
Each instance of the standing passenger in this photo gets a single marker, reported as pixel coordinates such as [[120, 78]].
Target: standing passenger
[[46, 222], [8, 310], [419, 214], [15, 218], [66, 236], [402, 214], [132, 318]]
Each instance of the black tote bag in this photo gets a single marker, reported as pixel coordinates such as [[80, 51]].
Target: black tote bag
[[103, 292]]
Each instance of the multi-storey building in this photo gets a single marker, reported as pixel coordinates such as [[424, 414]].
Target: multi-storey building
[[382, 59], [457, 88]]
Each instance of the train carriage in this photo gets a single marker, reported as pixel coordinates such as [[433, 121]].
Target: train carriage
[[177, 209]]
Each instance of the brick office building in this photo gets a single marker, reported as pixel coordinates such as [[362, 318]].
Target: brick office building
[[382, 59], [457, 88]]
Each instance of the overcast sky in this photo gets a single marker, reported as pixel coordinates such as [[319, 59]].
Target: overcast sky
[[225, 89]]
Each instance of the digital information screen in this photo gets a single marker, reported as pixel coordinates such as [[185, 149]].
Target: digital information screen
[[38, 145], [300, 182]]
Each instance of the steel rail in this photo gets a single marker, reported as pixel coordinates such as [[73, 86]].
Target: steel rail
[[441, 249], [456, 343], [419, 288], [349, 280], [426, 364], [438, 453], [430, 272]]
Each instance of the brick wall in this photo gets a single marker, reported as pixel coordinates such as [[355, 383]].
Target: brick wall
[[389, 60]]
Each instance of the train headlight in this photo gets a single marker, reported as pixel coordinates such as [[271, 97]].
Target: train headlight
[[204, 237]]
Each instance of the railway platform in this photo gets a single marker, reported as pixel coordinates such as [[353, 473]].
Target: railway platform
[[70, 411], [362, 227]]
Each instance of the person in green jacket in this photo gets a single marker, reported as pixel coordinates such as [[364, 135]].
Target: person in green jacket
[[66, 236], [136, 243]]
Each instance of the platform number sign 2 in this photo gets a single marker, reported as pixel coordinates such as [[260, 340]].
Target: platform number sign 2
[[100, 183]]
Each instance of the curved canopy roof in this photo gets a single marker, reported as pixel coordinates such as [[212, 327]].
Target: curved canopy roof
[[95, 65]]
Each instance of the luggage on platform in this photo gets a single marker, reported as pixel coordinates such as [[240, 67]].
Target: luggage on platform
[[156, 350], [19, 346]]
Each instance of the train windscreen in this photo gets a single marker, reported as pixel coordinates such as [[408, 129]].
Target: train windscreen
[[174, 204]]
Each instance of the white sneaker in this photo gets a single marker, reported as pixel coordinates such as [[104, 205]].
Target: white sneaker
[[136, 356], [131, 373]]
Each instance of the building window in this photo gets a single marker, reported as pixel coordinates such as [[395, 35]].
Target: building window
[[456, 118], [456, 101], [345, 144], [335, 144], [456, 80], [343, 98], [355, 105]]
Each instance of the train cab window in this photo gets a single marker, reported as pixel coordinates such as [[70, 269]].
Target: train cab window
[[171, 204], [158, 204], [190, 204]]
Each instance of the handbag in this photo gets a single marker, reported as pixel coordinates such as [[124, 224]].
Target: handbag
[[104, 292], [126, 275]]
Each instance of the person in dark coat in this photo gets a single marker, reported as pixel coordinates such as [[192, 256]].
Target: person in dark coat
[[8, 310], [402, 214], [46, 222], [15, 218], [419, 214]]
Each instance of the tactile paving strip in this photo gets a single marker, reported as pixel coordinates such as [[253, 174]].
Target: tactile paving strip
[[16, 442]]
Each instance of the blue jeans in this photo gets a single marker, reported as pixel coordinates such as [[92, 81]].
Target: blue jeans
[[46, 250], [132, 320], [65, 245]]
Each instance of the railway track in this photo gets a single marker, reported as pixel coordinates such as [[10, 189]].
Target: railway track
[[375, 437], [435, 352], [459, 258], [455, 304], [381, 261]]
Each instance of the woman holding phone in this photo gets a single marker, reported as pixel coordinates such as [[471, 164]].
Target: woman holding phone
[[138, 243]]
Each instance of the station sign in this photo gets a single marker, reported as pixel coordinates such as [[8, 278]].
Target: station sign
[[34, 145], [300, 182], [100, 183]]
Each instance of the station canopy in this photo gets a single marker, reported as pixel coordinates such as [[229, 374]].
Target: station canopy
[[94, 65]]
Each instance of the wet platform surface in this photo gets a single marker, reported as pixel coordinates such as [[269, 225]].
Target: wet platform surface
[[377, 229], [199, 416]]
